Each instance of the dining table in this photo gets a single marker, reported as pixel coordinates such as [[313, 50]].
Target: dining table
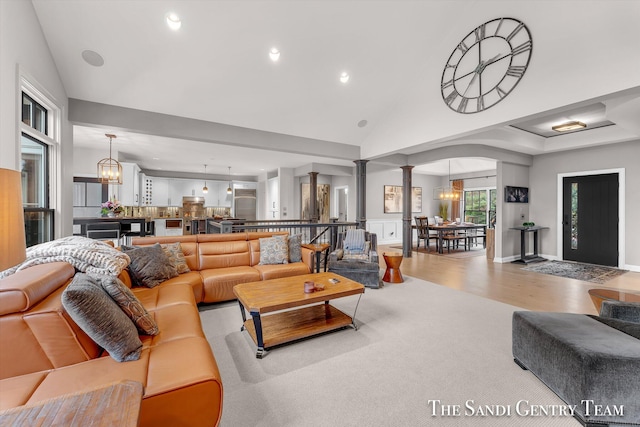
[[455, 227]]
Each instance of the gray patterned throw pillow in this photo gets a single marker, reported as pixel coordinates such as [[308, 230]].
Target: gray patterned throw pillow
[[274, 250], [130, 305], [100, 317]]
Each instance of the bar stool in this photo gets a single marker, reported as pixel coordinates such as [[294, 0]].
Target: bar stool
[[104, 231]]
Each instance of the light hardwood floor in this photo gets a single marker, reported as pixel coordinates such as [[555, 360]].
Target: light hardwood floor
[[508, 283]]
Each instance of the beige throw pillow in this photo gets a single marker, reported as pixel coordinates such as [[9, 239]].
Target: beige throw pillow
[[274, 250], [175, 254]]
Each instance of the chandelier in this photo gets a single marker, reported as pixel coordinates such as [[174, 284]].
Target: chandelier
[[109, 169], [229, 190], [447, 192]]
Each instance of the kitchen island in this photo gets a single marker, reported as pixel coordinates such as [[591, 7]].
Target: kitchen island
[[129, 226]]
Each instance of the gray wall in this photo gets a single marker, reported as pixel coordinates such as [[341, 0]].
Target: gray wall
[[375, 193], [544, 193], [510, 214]]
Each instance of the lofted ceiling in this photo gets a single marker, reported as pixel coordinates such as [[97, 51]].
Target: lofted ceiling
[[216, 68]]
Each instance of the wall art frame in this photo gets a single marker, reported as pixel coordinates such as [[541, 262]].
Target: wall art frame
[[516, 194], [393, 199]]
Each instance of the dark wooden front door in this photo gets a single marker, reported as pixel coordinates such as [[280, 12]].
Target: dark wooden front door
[[590, 219]]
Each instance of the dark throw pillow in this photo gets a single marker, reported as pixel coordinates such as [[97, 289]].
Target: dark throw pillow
[[130, 305], [149, 265], [295, 248], [100, 317]]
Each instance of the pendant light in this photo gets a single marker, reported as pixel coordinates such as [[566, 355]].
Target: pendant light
[[229, 190], [109, 169], [205, 190], [446, 192]]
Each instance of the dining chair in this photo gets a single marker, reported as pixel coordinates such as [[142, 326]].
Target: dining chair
[[474, 234], [423, 231]]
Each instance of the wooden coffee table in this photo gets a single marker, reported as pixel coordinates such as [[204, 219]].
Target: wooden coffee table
[[299, 315]]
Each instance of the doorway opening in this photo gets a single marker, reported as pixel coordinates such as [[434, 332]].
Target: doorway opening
[[342, 203]]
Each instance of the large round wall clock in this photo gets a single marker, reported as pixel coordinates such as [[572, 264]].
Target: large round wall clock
[[486, 65]]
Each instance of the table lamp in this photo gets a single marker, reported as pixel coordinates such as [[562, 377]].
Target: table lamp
[[12, 236]]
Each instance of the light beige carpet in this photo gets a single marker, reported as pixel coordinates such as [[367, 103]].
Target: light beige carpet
[[416, 342]]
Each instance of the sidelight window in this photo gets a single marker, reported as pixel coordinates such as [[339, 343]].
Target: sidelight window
[[574, 215]]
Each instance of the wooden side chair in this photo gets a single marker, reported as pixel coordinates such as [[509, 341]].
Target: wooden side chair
[[423, 230]]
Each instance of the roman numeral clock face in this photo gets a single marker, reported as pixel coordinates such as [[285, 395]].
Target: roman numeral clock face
[[486, 65]]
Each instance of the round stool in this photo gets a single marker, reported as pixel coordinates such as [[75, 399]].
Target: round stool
[[392, 274]]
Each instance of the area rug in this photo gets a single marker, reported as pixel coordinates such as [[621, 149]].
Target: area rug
[[575, 270], [421, 351]]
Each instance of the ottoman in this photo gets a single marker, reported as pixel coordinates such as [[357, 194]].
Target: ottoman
[[586, 360]]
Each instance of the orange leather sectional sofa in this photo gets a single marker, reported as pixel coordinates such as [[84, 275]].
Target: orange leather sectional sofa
[[44, 354]]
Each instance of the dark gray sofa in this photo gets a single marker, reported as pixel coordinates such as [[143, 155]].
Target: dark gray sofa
[[586, 360]]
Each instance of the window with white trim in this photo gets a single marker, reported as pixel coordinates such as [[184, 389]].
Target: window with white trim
[[36, 143]]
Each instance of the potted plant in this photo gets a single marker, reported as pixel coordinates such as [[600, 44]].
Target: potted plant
[[444, 210], [111, 208]]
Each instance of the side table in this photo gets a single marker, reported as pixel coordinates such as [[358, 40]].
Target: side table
[[112, 405], [393, 273], [319, 248], [524, 258]]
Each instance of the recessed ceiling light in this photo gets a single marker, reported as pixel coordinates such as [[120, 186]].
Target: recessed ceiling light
[[569, 126], [344, 77], [362, 123], [274, 54], [92, 58], [156, 158], [173, 21]]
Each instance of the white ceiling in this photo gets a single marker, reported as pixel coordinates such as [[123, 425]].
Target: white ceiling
[[216, 68]]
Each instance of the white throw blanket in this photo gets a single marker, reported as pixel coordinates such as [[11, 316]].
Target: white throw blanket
[[354, 240], [87, 255]]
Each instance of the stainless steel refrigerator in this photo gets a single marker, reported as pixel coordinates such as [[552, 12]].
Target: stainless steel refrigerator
[[244, 203]]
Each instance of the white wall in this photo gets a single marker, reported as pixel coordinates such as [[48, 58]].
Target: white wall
[[287, 208], [543, 197], [85, 160], [584, 63], [24, 51]]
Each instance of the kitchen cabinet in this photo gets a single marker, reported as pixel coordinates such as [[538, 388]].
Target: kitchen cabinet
[[273, 198], [160, 226], [160, 192], [177, 188], [130, 188]]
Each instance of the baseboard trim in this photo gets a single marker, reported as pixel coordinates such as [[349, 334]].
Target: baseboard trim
[[635, 268]]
